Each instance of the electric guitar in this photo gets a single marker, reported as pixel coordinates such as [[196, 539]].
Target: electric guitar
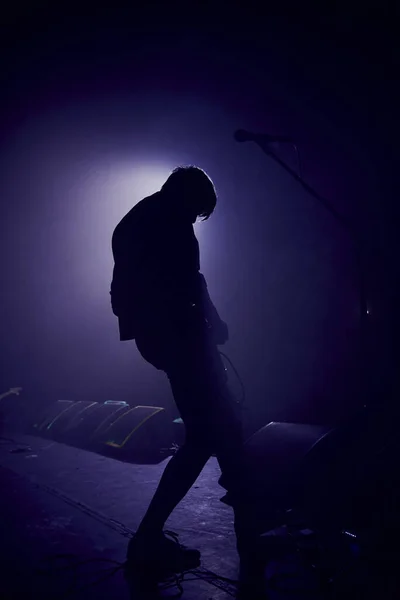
[[14, 390]]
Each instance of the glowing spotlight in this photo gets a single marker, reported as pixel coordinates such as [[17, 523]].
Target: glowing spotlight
[[133, 182]]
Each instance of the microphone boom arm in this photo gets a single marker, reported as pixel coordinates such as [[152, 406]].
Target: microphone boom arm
[[342, 220]]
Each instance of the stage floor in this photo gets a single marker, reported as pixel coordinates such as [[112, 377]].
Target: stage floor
[[59, 499], [56, 499]]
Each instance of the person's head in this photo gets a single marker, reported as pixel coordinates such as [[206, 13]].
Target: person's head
[[192, 191]]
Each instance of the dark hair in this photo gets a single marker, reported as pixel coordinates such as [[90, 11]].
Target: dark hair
[[194, 183]]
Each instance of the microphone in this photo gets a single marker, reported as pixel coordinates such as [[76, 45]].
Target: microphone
[[241, 135]]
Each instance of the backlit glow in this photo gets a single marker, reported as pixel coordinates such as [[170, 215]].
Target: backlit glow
[[130, 183]]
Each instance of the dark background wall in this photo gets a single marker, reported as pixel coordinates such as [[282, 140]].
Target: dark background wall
[[97, 111]]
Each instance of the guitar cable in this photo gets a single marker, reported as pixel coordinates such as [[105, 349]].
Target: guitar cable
[[242, 400]]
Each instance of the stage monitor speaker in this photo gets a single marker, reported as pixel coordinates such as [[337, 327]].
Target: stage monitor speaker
[[320, 470], [70, 427], [101, 420], [278, 445], [142, 434], [272, 462], [89, 420], [43, 423], [78, 423], [66, 418]]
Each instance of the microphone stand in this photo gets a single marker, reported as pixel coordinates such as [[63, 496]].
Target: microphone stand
[[351, 230]]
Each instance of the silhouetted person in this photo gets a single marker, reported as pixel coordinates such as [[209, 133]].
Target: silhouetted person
[[161, 301]]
